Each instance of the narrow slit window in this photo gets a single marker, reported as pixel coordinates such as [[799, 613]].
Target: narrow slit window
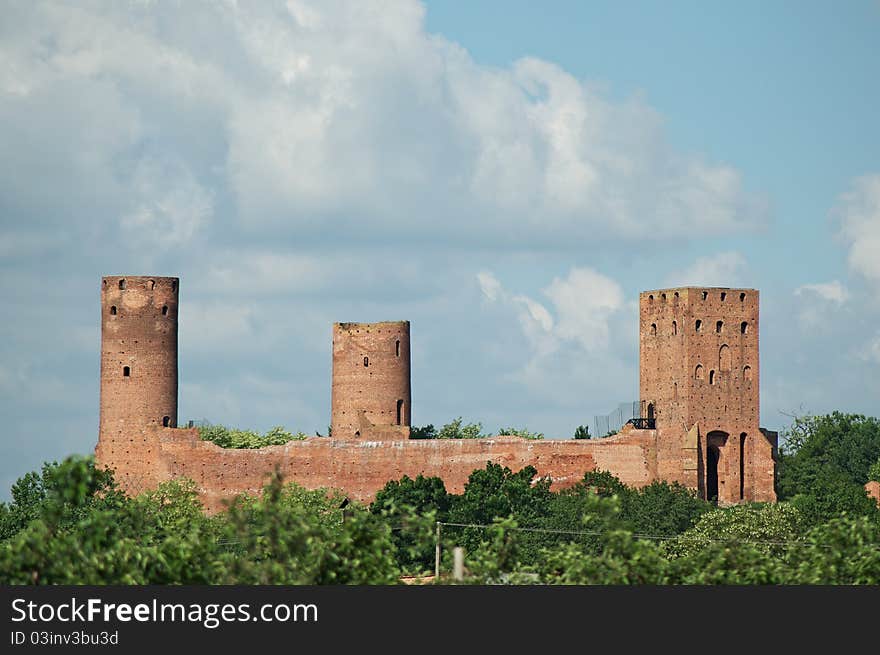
[[675, 296], [126, 371], [164, 310], [719, 326], [653, 328], [747, 373], [674, 327], [121, 284], [723, 296], [113, 310], [705, 295], [742, 297], [698, 325], [711, 377], [166, 421], [152, 284], [366, 361], [651, 299], [399, 411], [663, 297], [744, 327], [397, 347]]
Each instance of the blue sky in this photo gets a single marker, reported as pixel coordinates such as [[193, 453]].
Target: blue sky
[[505, 175]]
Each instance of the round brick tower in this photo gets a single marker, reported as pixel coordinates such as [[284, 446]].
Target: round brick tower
[[371, 393], [138, 361]]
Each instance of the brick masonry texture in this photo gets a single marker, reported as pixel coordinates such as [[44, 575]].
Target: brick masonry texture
[[370, 395], [873, 489], [706, 437]]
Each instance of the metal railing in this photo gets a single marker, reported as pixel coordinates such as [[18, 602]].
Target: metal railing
[[643, 423]]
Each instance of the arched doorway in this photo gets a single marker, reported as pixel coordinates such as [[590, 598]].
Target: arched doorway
[[712, 457], [650, 411], [715, 442]]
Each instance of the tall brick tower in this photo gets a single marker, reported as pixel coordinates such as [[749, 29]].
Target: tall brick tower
[[371, 393], [698, 376], [138, 362]]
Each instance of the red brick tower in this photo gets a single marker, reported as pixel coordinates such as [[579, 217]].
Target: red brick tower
[[138, 363], [699, 369], [371, 393]]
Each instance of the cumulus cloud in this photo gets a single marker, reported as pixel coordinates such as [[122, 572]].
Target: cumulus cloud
[[569, 334], [305, 116], [725, 269], [832, 291], [858, 210]]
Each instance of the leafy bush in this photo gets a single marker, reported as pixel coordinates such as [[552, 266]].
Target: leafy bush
[[521, 432], [234, 438], [582, 432]]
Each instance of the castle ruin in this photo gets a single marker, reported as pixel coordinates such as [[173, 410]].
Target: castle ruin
[[699, 422]]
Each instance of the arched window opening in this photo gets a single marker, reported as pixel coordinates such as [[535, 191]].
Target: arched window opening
[[113, 310], [705, 295], [742, 297], [698, 325], [357, 433], [164, 310], [724, 358], [719, 326], [399, 411], [675, 296], [166, 421], [152, 284], [698, 372], [650, 411], [651, 299], [366, 361], [723, 296], [742, 466], [663, 297], [747, 373], [121, 284], [653, 328], [674, 327], [744, 327], [712, 377], [397, 347], [103, 284], [126, 371]]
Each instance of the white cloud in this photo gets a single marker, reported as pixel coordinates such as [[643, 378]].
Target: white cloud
[[343, 115], [858, 211], [832, 291], [724, 269], [577, 325]]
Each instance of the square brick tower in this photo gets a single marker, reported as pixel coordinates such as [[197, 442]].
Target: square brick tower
[[698, 377]]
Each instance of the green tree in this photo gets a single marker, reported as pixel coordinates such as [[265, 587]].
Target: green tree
[[426, 432], [457, 430], [582, 432], [766, 527], [412, 507]]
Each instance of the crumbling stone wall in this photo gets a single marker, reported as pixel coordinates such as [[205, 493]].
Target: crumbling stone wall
[[360, 468]]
